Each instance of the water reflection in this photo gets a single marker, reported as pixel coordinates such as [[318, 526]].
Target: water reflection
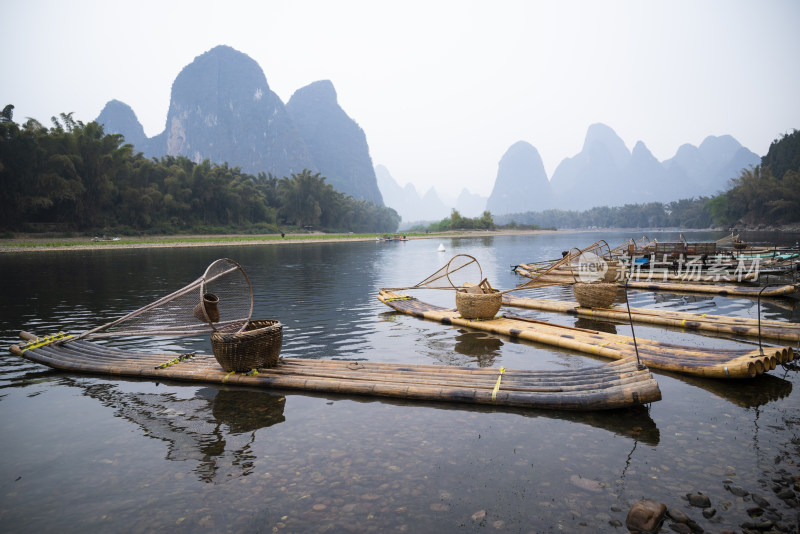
[[409, 466], [482, 347], [591, 324], [751, 393], [634, 423], [215, 428]]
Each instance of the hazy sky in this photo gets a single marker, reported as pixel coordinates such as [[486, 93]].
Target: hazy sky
[[441, 88]]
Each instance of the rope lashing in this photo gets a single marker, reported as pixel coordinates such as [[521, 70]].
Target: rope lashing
[[497, 385], [486, 319], [173, 361], [36, 343], [683, 321], [401, 297]]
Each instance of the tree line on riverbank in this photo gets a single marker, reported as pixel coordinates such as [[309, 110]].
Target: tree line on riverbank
[[75, 177]]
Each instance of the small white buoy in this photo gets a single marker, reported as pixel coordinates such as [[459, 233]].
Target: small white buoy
[[441, 248]]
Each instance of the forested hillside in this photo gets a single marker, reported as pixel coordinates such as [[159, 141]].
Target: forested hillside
[[74, 177], [688, 213], [767, 194]]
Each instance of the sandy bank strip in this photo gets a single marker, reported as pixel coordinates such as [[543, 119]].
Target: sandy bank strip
[[54, 244]]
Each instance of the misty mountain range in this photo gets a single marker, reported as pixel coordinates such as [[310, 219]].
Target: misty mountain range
[[222, 109]]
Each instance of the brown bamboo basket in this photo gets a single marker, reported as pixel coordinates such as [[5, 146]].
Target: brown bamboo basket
[[595, 295], [256, 347], [612, 273], [478, 305]]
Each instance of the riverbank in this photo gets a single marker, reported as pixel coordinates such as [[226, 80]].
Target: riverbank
[[32, 243]]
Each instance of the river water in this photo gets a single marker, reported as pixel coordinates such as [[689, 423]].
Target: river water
[[92, 453]]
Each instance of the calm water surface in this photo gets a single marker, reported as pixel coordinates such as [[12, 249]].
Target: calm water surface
[[88, 453]]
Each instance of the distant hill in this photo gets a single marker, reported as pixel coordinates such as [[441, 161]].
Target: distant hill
[[119, 118], [222, 109], [407, 202], [521, 183], [593, 177], [706, 170], [606, 173], [337, 144], [470, 204]]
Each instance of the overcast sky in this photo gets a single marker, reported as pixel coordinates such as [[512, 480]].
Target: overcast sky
[[441, 88]]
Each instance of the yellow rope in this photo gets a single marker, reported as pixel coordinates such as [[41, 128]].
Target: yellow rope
[[487, 319], [173, 361], [403, 297], [36, 343], [497, 385], [619, 341]]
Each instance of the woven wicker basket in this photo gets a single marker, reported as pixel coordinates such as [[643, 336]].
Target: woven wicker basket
[[256, 347], [478, 305], [612, 273], [595, 295]]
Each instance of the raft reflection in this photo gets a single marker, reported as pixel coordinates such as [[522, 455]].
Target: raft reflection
[[214, 428]]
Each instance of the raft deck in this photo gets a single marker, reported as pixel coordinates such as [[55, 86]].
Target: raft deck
[[616, 385], [777, 330], [714, 363], [659, 274], [715, 289], [709, 286]]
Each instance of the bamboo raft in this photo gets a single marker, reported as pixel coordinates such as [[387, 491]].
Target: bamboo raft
[[662, 274], [716, 289], [619, 384], [713, 363], [705, 286], [777, 330]]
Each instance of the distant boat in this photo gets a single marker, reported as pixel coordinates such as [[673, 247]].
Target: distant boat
[[441, 248], [396, 237]]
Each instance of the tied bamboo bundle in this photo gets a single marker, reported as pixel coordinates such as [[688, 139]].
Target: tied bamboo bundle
[[595, 294], [256, 347]]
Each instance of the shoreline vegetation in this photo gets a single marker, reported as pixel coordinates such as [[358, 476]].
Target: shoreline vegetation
[[30, 243], [38, 242]]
